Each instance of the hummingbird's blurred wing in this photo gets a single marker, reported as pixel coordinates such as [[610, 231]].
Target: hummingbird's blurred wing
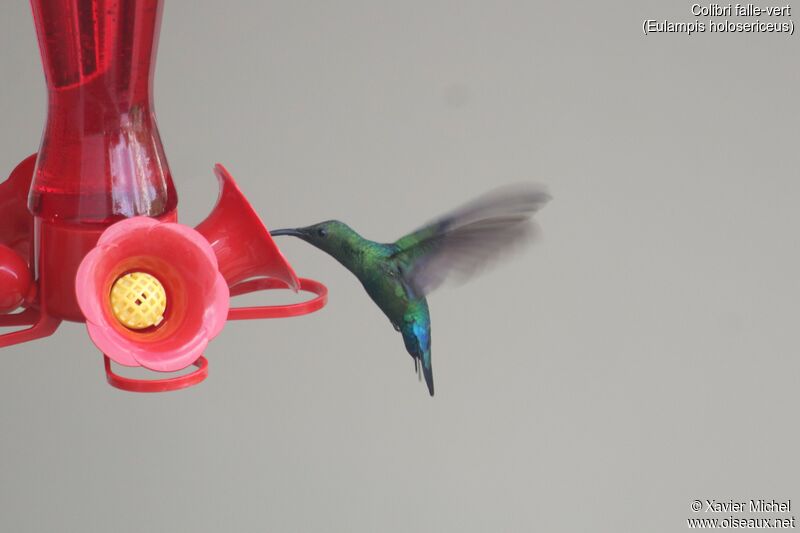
[[463, 242]]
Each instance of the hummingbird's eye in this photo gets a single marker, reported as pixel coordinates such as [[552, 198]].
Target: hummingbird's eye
[[322, 232]]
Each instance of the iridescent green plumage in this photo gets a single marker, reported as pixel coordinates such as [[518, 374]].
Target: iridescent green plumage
[[398, 276]]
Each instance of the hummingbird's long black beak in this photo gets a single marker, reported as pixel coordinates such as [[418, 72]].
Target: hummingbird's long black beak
[[286, 231]]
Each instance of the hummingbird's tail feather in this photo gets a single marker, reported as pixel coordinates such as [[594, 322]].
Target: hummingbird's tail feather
[[416, 330], [421, 370], [427, 371]]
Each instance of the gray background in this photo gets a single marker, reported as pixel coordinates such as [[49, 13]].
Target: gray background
[[642, 355]]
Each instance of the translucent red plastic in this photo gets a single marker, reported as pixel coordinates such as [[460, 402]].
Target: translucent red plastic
[[243, 245], [277, 311], [197, 296], [16, 232], [101, 157], [15, 280], [157, 385], [16, 226], [101, 173]]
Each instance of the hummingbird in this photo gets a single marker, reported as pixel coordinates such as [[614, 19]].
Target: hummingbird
[[398, 276]]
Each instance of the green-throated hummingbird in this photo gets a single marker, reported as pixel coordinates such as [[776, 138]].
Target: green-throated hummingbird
[[399, 275]]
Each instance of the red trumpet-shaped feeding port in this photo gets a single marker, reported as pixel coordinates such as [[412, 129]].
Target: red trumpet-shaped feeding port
[[243, 246], [152, 294]]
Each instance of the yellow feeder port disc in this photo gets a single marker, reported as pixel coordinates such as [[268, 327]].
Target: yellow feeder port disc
[[138, 300]]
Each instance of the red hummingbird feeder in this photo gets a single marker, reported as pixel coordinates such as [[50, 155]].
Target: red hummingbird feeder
[[90, 230]]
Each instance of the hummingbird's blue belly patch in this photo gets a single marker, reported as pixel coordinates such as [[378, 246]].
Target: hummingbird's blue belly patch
[[423, 335]]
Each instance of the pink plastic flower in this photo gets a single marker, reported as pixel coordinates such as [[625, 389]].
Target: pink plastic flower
[[185, 264]]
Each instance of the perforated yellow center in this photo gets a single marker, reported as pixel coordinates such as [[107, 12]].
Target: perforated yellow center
[[138, 300]]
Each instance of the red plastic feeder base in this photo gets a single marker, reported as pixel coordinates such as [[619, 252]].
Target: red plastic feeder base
[[240, 313], [157, 385], [101, 166], [277, 311]]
